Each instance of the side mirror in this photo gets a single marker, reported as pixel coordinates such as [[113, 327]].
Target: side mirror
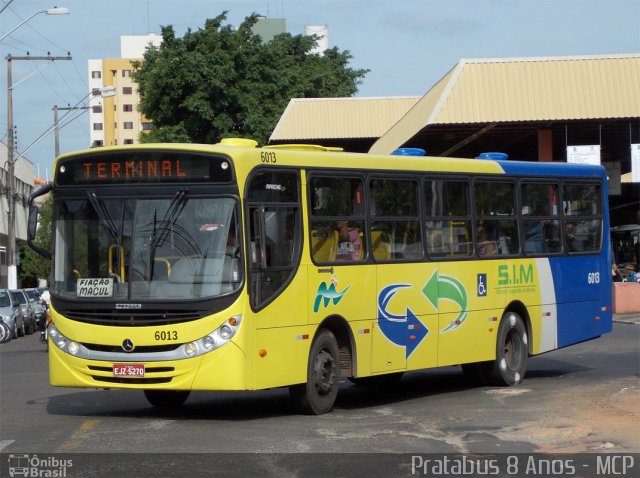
[[32, 224]]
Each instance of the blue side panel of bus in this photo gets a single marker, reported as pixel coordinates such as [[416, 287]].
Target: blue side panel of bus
[[583, 308], [583, 297]]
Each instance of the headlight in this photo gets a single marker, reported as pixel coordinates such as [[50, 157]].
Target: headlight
[[215, 339], [73, 348], [61, 341]]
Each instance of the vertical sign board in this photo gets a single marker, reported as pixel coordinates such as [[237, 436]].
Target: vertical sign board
[[635, 163], [588, 154]]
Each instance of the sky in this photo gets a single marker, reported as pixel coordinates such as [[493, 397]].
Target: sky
[[407, 45]]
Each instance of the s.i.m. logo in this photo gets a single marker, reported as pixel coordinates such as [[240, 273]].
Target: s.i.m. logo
[[328, 293], [516, 279]]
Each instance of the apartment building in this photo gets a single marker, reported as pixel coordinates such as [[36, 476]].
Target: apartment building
[[115, 120]]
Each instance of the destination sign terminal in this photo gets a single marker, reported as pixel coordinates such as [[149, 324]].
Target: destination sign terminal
[[146, 167]]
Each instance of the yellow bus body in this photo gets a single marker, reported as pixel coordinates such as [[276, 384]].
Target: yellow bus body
[[271, 348]]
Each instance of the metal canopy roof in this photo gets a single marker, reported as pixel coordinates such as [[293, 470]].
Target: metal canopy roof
[[519, 94], [317, 118]]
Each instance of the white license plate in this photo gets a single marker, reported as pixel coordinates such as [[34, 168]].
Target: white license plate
[[128, 370]]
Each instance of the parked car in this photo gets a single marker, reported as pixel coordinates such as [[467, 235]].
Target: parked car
[[28, 317], [39, 310], [10, 312]]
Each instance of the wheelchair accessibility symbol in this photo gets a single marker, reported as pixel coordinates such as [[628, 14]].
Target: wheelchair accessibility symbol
[[482, 285]]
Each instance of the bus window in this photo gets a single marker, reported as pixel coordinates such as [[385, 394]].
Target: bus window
[[395, 228], [582, 205], [337, 219], [540, 218], [496, 227], [448, 223]]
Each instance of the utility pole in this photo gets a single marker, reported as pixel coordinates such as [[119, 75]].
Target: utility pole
[[56, 130], [12, 275]]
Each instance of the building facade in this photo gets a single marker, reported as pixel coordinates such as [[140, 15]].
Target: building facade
[[115, 120], [24, 185]]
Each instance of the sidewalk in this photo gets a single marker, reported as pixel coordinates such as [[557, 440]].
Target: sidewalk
[[632, 318]]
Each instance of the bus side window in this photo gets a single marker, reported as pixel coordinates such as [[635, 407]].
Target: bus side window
[[337, 219], [395, 219], [448, 217]]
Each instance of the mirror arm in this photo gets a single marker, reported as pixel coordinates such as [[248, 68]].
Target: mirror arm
[[32, 224]]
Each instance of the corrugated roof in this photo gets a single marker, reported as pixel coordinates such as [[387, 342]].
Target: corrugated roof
[[524, 89], [314, 118]]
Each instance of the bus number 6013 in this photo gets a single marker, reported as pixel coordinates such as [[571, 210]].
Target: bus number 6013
[[163, 335], [268, 156]]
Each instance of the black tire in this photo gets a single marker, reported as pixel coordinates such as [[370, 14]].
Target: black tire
[[166, 399], [378, 380], [22, 331], [318, 394], [14, 332], [512, 352]]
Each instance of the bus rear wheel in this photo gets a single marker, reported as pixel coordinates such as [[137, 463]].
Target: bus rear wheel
[[512, 352], [166, 399], [318, 394]]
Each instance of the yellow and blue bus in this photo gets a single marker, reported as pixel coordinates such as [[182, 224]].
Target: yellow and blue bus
[[182, 267]]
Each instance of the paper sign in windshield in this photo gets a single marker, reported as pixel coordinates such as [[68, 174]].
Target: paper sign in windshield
[[101, 287]]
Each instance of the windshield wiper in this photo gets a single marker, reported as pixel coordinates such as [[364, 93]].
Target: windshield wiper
[[104, 216], [170, 217]]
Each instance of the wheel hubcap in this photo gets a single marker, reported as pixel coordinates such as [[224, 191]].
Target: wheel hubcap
[[324, 372], [513, 350]]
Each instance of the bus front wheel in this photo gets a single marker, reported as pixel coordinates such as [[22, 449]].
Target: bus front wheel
[[166, 399], [319, 393], [512, 352]]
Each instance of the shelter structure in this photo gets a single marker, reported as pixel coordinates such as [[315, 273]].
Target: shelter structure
[[533, 109]]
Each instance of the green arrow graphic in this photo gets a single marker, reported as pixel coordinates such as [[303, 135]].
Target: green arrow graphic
[[443, 287]]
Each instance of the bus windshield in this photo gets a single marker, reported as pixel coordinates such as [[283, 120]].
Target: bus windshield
[[145, 248]]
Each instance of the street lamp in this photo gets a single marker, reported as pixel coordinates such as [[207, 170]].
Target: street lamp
[[50, 11], [12, 276]]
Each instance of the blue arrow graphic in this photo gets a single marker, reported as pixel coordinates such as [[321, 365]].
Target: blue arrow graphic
[[403, 330], [417, 332]]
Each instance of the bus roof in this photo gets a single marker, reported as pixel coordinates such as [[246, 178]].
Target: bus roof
[[297, 154]]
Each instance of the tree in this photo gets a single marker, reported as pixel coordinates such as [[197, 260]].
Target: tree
[[220, 82], [33, 266]]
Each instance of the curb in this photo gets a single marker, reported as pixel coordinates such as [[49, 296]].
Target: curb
[[631, 319]]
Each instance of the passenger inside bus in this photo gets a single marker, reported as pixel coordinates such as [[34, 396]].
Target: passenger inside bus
[[348, 242], [533, 233], [485, 246], [573, 243]]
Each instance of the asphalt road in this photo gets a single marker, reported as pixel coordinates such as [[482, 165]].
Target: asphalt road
[[584, 398]]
